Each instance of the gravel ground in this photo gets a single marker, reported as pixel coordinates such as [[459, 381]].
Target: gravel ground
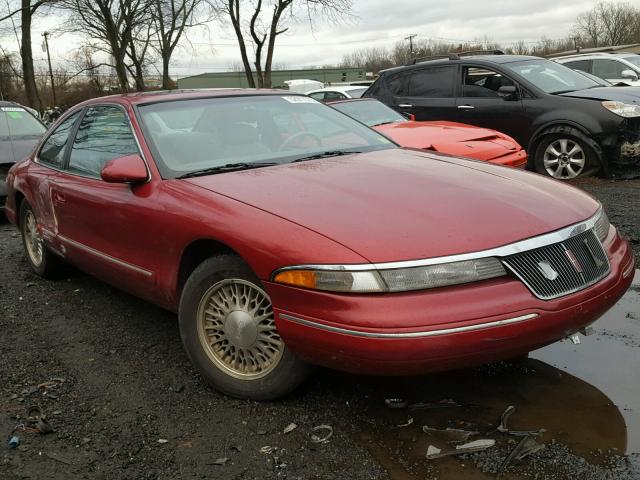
[[109, 373]]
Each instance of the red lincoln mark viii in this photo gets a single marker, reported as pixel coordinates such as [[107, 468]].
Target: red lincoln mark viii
[[445, 137], [285, 234]]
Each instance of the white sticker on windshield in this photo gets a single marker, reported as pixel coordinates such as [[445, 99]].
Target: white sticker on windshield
[[299, 99], [13, 109]]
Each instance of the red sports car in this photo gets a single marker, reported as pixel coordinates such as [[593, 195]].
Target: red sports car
[[447, 137], [285, 234]]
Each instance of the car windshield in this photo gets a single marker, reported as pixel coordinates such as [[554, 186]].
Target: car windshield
[[189, 136], [551, 77], [635, 59], [369, 112], [19, 123]]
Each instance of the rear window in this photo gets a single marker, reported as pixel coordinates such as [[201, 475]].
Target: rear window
[[19, 123]]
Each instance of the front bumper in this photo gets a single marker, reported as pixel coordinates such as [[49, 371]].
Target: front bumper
[[441, 329]]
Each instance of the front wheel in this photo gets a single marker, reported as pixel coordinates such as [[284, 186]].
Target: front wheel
[[228, 329], [565, 157]]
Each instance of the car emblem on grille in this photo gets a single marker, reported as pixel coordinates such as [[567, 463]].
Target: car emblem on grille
[[547, 270], [574, 261]]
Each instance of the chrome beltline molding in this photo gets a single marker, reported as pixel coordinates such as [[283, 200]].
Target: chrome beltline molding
[[428, 333], [503, 251]]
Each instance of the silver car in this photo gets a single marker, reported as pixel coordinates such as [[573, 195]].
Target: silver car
[[20, 131]]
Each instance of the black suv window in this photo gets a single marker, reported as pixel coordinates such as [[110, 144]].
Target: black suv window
[[397, 85], [481, 82], [103, 134], [433, 82], [52, 152]]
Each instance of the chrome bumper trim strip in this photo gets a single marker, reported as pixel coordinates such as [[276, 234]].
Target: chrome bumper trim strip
[[429, 333]]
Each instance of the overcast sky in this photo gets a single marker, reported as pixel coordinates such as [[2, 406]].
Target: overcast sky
[[375, 23]]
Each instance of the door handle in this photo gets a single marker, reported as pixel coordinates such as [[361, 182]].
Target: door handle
[[59, 198], [466, 107], [405, 105]]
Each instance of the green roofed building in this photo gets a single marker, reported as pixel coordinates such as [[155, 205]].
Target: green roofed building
[[278, 77]]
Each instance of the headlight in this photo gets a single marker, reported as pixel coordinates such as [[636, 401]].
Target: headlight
[[623, 109], [393, 280], [601, 227]]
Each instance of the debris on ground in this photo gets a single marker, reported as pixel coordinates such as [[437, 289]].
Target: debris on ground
[[220, 461], [324, 438], [267, 449], [446, 403], [525, 447], [471, 447], [13, 442], [163, 440], [289, 428], [396, 403], [409, 422], [451, 435], [504, 428]]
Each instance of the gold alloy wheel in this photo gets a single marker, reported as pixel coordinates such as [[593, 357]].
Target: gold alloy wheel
[[32, 238], [237, 329]]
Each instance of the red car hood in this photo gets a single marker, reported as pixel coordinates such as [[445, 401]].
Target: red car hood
[[452, 138], [399, 204]]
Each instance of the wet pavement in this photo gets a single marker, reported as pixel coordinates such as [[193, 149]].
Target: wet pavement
[[586, 397]]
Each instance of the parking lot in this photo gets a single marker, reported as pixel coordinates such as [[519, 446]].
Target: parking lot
[[110, 374]]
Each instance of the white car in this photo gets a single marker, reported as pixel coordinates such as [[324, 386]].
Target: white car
[[614, 67], [337, 92]]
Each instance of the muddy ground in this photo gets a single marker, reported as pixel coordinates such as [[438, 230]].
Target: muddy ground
[[109, 373]]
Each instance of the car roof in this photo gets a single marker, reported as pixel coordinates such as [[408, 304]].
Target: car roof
[[140, 98], [488, 60], [588, 56], [339, 88]]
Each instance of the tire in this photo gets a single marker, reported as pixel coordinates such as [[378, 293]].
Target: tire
[[221, 309], [41, 260], [566, 155]]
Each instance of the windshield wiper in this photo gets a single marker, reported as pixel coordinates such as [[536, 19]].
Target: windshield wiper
[[229, 167], [330, 153]]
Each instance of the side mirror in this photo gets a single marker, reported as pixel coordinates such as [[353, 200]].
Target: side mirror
[[508, 92], [630, 75], [128, 169]]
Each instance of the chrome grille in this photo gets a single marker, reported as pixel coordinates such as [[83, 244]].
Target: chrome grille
[[582, 252]]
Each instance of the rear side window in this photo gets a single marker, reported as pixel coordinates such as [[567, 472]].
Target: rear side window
[[397, 85], [435, 82], [103, 134], [582, 65], [52, 151], [317, 96], [333, 96]]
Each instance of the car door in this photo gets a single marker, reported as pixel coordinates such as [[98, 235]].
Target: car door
[[427, 92], [43, 173], [480, 103], [104, 225]]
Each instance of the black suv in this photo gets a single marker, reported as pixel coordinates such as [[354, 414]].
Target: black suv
[[570, 123]]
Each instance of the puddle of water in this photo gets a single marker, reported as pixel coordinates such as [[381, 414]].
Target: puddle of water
[[609, 359], [585, 397]]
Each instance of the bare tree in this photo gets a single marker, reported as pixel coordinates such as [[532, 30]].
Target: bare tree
[[110, 23], [26, 10], [609, 23], [172, 19], [266, 22]]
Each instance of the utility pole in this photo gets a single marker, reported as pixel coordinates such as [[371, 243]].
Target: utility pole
[[410, 38], [576, 44], [53, 87]]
